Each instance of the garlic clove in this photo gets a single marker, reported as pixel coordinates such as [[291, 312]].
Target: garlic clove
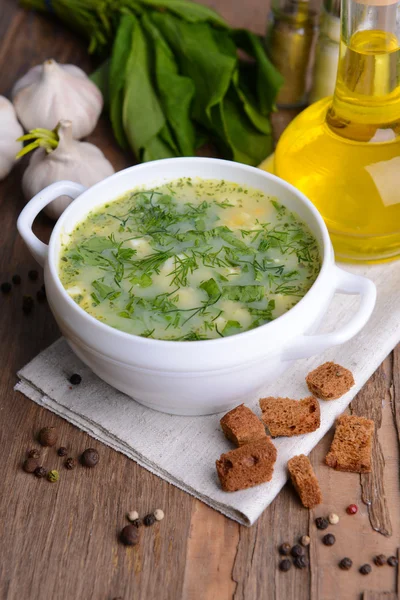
[[50, 92], [10, 130], [77, 161]]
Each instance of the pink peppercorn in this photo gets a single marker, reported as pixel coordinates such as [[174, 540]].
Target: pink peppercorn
[[352, 509]]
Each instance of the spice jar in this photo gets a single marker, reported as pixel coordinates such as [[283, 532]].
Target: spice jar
[[327, 53], [290, 40]]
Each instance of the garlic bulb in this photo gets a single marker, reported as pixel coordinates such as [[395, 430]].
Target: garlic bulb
[[10, 130], [77, 161], [51, 92]]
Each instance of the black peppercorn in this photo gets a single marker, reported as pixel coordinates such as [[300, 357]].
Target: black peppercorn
[[149, 520], [365, 569], [129, 535], [33, 453], [40, 472], [285, 565], [380, 560], [27, 304], [301, 562], [30, 465], [6, 287], [392, 561], [321, 523], [48, 436], [137, 522], [297, 550], [75, 379], [16, 279], [329, 539], [285, 549], [70, 463], [33, 275], [90, 458], [62, 451], [346, 563]]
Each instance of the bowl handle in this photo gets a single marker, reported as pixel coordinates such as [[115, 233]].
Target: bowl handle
[[346, 283], [25, 220]]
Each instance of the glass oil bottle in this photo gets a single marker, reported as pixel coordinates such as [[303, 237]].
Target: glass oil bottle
[[343, 152]]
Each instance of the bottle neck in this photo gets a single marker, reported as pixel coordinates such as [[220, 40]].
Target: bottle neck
[[366, 101]]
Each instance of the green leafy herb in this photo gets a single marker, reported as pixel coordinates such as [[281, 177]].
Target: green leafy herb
[[231, 328], [244, 293], [211, 288]]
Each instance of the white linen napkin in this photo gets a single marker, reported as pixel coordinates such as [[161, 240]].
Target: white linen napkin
[[183, 450]]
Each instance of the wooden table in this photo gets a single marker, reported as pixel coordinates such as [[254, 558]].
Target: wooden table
[[60, 541]]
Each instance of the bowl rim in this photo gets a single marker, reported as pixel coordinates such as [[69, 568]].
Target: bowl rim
[[327, 251]]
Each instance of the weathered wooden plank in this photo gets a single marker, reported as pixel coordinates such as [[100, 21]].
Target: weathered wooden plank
[[368, 403], [371, 595]]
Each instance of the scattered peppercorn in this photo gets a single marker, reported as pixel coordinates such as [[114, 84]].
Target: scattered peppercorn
[[285, 549], [285, 565], [53, 476], [159, 514], [75, 379], [33, 453], [305, 540], [90, 458], [70, 463], [333, 519], [16, 279], [149, 520], [297, 550], [48, 436], [27, 304], [365, 569], [352, 509], [321, 523], [137, 523], [129, 535], [329, 539], [30, 465], [133, 515], [6, 287], [380, 560], [62, 451], [392, 561], [40, 472], [40, 296], [33, 275], [301, 562], [346, 563]]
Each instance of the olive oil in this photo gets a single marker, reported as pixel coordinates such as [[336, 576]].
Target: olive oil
[[344, 152]]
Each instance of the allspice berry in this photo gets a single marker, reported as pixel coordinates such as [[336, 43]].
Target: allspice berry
[[365, 569], [129, 536], [380, 560], [30, 465], [346, 563], [90, 458], [48, 436]]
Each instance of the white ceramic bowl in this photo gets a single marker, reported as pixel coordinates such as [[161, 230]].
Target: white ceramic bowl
[[200, 377]]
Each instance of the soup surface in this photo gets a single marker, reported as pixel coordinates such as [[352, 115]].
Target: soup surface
[[192, 260]]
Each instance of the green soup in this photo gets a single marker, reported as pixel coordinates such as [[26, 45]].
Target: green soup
[[192, 260]]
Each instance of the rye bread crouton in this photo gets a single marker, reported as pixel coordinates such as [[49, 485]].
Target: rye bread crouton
[[329, 381], [351, 447], [287, 417], [247, 466], [241, 426], [305, 481]]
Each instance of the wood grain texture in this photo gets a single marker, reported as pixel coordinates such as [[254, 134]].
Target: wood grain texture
[[368, 403], [59, 541], [380, 596]]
